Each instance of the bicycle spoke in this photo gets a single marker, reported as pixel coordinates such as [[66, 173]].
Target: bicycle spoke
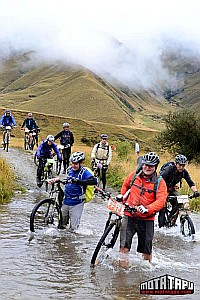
[[45, 215]]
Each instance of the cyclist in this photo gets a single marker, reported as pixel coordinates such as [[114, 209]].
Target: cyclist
[[67, 140], [147, 200], [7, 120], [173, 174], [102, 153], [73, 203], [44, 151], [30, 123]]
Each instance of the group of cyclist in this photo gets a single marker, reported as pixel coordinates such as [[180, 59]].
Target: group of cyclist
[[29, 123], [144, 188]]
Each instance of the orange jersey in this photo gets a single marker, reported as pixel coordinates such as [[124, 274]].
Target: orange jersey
[[142, 193]]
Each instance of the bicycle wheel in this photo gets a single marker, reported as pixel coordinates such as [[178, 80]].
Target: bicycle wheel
[[26, 142], [187, 226], [36, 160], [58, 167], [45, 214], [106, 242], [7, 141]]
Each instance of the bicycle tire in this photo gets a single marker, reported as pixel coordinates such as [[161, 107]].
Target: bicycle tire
[[58, 167], [36, 161], [187, 226], [45, 214], [100, 254], [7, 142], [25, 142]]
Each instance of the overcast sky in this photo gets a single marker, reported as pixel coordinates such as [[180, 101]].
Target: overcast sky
[[86, 31]]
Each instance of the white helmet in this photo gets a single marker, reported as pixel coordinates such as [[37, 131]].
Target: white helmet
[[50, 138], [65, 125], [77, 157]]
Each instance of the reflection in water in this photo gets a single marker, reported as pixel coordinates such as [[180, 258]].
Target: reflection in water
[[56, 264]]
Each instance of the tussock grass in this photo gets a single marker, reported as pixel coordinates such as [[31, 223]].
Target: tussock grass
[[6, 182]]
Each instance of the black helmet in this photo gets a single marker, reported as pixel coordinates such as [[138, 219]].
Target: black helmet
[[151, 159], [77, 157], [104, 136], [181, 159]]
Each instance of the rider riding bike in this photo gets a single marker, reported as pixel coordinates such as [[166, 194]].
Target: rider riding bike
[[173, 174], [30, 124], [7, 120], [102, 153], [43, 153], [67, 140]]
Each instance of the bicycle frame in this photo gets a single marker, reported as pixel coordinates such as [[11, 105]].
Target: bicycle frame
[[112, 227]]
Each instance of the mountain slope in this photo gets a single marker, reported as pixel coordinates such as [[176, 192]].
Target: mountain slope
[[73, 91]]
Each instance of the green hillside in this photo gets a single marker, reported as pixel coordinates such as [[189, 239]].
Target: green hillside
[[75, 92]]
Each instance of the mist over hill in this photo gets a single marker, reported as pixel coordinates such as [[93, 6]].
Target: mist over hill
[[121, 63]]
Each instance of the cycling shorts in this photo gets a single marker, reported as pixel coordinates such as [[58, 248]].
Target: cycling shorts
[[144, 230]]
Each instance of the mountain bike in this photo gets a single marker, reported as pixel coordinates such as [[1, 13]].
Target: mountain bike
[[29, 141], [46, 170], [180, 208], [96, 167], [112, 227], [47, 213], [59, 163], [6, 141]]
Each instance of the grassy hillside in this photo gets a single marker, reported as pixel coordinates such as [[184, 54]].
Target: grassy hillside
[[72, 91], [185, 90], [52, 124]]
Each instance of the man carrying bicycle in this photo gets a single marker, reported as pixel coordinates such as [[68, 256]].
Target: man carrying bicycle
[[66, 140], [78, 178], [148, 193], [7, 120], [173, 173], [44, 152], [31, 125], [102, 154]]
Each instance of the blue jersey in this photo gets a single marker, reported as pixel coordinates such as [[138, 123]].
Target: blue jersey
[[45, 150], [7, 120], [73, 191]]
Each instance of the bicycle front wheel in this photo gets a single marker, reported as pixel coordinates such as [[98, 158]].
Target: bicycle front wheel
[[45, 214], [106, 242], [7, 141], [187, 226]]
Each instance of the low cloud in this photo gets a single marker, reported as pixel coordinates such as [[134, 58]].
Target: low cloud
[[122, 41]]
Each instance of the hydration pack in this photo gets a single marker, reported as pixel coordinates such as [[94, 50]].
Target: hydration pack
[[89, 192]]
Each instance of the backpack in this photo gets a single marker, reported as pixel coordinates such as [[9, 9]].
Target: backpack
[[171, 174], [163, 168], [89, 192], [98, 145], [156, 184]]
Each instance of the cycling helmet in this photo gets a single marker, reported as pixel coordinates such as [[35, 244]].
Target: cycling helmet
[[77, 157], [181, 159], [7, 111], [104, 136], [65, 125], [50, 138], [151, 159]]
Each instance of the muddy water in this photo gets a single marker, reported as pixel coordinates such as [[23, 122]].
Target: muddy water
[[56, 264]]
